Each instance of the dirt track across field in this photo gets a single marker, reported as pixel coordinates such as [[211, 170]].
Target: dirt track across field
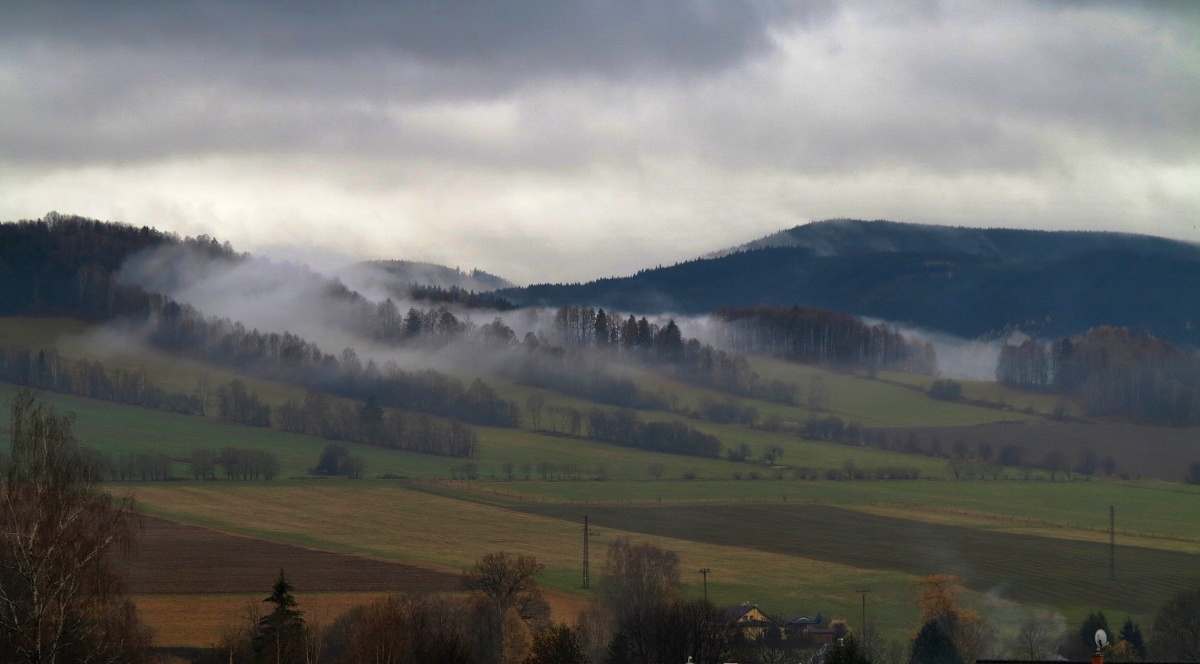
[[176, 558]]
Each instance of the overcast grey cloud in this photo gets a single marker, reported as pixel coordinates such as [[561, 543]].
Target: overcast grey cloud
[[569, 140]]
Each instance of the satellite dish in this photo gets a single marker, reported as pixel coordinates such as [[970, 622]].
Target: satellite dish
[[1101, 639]]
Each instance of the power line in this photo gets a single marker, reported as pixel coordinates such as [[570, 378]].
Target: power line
[[864, 610], [1112, 543], [587, 583]]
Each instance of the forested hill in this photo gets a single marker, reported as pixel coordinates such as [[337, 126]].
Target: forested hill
[[845, 237], [963, 281], [409, 273]]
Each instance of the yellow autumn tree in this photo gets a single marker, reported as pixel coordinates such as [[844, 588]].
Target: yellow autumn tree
[[937, 597]]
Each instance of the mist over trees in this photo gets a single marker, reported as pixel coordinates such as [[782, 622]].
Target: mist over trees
[[584, 338], [1111, 371], [67, 265], [818, 336], [284, 356]]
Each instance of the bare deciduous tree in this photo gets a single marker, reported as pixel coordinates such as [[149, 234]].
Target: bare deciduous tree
[[58, 597], [1177, 628], [1034, 640], [506, 581]]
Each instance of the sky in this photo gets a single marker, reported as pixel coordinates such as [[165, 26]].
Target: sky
[[565, 141]]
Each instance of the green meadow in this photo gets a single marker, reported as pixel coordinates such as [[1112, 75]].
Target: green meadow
[[792, 546]]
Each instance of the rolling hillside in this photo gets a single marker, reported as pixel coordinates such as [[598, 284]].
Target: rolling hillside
[[967, 282]]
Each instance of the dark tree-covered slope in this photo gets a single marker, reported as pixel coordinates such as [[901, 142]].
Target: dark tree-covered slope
[[968, 282]]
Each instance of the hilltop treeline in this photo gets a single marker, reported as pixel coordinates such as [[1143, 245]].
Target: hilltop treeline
[[67, 265], [459, 296], [664, 349], [808, 334], [1112, 371]]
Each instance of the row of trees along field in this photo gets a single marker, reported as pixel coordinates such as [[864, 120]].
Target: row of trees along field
[[64, 265], [47, 370], [183, 330], [319, 415], [233, 463], [367, 423], [1111, 371], [807, 334], [624, 427]]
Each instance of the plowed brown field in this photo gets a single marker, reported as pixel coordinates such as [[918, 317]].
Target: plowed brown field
[[175, 558]]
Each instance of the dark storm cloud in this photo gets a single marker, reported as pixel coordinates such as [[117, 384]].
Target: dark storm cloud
[[129, 80], [485, 128], [524, 36]]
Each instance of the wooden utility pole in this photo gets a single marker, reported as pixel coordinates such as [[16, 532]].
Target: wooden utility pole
[[1112, 543], [864, 610], [587, 582]]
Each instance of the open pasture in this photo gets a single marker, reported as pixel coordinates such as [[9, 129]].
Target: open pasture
[[879, 403], [389, 522], [1069, 575], [77, 340], [990, 392], [1155, 510], [120, 429]]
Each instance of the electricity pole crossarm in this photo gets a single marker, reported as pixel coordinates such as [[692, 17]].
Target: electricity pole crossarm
[[864, 610]]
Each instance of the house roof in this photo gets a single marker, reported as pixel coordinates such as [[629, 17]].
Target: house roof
[[739, 613]]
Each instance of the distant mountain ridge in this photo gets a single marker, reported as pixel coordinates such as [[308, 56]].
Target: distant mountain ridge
[[965, 281], [845, 237]]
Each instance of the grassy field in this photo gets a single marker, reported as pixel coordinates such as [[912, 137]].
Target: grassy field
[[890, 401], [1068, 574], [393, 523], [788, 557], [120, 429], [793, 547], [1142, 507]]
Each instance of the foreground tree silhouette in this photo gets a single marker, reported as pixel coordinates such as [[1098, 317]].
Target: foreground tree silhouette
[[933, 646], [558, 644], [59, 601], [1177, 628], [280, 636], [509, 605]]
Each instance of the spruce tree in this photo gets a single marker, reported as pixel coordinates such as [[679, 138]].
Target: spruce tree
[[1087, 631], [1132, 633], [280, 632], [934, 646]]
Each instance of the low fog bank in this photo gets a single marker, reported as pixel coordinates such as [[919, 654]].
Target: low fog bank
[[321, 296], [958, 358], [283, 292]]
